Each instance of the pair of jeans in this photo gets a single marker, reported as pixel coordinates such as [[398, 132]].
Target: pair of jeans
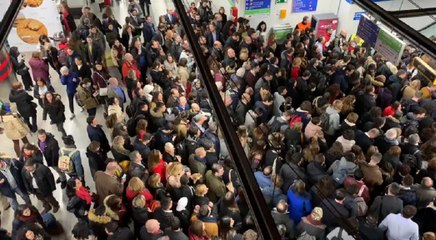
[[71, 102], [48, 201], [13, 200]]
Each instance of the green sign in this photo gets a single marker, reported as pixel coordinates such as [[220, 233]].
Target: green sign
[[281, 1], [389, 46]]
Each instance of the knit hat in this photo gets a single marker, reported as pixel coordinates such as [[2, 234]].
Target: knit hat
[[317, 214], [148, 88], [181, 204], [240, 72]]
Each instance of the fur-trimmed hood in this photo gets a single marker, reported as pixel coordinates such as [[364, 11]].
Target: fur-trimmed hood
[[102, 219], [109, 212]]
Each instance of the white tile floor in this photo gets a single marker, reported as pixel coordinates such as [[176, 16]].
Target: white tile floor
[[76, 127]]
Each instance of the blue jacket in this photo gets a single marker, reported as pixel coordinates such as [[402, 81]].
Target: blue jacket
[[15, 169], [262, 180], [268, 195], [299, 205], [72, 82]]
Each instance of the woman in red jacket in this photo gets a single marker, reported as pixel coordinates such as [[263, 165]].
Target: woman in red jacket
[[296, 68], [157, 165], [136, 187]]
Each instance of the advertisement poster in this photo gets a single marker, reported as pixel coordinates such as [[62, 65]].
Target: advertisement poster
[[37, 17], [389, 46], [304, 5], [257, 7]]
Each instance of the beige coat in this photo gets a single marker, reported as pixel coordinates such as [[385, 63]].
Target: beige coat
[[15, 128]]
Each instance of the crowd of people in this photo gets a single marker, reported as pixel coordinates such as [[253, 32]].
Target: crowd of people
[[341, 141]]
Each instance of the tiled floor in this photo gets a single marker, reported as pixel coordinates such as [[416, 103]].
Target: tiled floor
[[76, 127]]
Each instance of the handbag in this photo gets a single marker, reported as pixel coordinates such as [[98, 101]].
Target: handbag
[[102, 91]]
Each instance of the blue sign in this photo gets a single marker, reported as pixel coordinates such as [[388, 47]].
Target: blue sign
[[304, 5], [368, 30], [357, 15], [257, 7]]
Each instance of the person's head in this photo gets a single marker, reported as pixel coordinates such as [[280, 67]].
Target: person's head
[[394, 189], [154, 159], [154, 180], [197, 227], [201, 190], [299, 187], [42, 135], [111, 168], [166, 203], [409, 211], [30, 165], [152, 226], [376, 158], [250, 234], [282, 206], [305, 20], [81, 230], [337, 105], [427, 182], [217, 169], [135, 157], [78, 61], [339, 196]]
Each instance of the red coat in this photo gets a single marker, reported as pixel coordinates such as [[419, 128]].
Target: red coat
[[126, 68], [130, 195], [161, 169], [295, 72]]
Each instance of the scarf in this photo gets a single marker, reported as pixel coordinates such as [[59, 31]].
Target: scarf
[[83, 194], [313, 221]]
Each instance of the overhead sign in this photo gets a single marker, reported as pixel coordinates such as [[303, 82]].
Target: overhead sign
[[304, 5], [257, 7], [389, 46], [281, 1], [351, 1], [368, 30]]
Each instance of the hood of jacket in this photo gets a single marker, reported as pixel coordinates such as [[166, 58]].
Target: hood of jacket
[[109, 212], [330, 110], [102, 219]]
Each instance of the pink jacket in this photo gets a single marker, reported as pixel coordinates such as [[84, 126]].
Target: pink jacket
[[311, 130], [39, 69]]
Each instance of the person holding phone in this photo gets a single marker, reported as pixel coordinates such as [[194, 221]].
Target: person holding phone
[[107, 183]]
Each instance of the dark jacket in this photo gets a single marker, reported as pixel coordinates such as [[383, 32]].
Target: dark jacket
[[25, 106], [15, 169], [95, 55], [425, 218], [148, 31], [139, 216], [55, 109], [97, 134], [137, 170], [283, 218], [163, 217], [368, 232], [44, 180], [315, 172], [83, 72], [330, 218], [51, 152], [291, 172], [96, 161], [384, 205], [122, 233]]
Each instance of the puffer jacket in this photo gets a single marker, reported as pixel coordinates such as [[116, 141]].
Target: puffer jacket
[[97, 223], [334, 121], [88, 100], [15, 128]]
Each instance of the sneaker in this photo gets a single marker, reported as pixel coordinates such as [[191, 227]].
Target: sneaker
[[55, 209], [72, 116], [64, 184]]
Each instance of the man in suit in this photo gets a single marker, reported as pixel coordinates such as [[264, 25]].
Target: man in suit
[[170, 18], [136, 21], [213, 35], [93, 51], [39, 180], [149, 29]]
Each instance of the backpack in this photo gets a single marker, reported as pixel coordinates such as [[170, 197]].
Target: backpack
[[185, 148], [78, 100], [65, 164], [276, 125], [325, 121], [295, 119], [306, 236], [362, 207]]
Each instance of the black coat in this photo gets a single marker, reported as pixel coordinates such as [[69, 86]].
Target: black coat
[[384, 205], [83, 72], [44, 180], [78, 207], [15, 169], [55, 110], [25, 106], [96, 161], [51, 152], [363, 140], [122, 233], [139, 216], [163, 217], [97, 134], [330, 218]]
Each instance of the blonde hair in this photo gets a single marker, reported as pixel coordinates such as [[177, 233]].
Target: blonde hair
[[154, 180], [200, 190], [297, 62], [139, 201], [337, 104], [153, 159], [175, 169], [136, 185], [118, 142], [317, 214]]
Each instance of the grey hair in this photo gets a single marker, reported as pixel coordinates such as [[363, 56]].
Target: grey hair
[[65, 70]]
